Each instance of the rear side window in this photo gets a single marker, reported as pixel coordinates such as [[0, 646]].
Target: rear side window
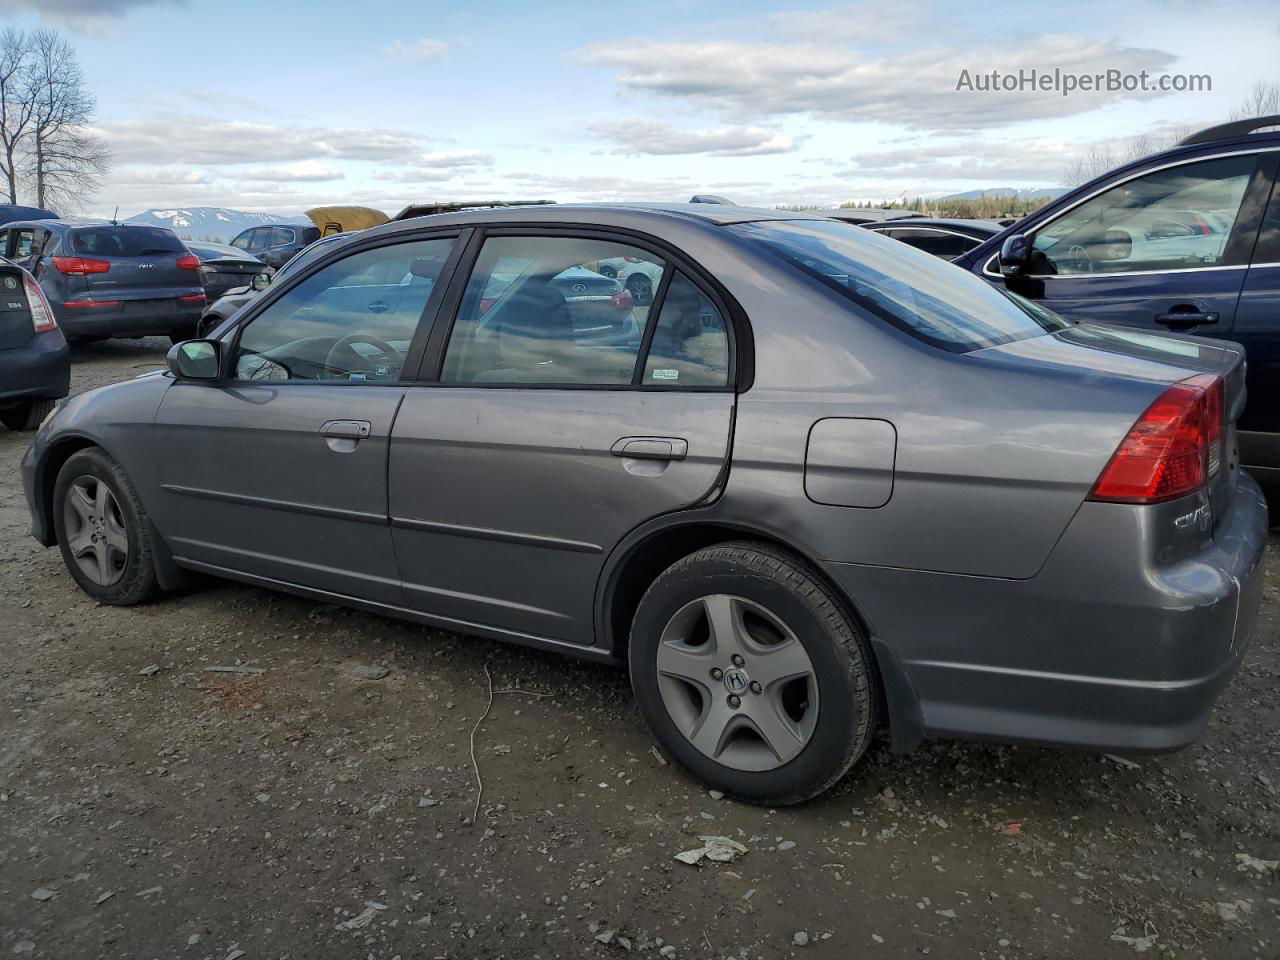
[[690, 345], [116, 241], [928, 298], [280, 236]]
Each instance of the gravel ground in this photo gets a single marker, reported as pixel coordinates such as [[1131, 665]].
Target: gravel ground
[[152, 807]]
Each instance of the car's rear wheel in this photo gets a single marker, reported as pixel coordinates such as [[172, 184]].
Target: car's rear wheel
[[101, 530], [641, 289], [752, 675], [608, 270], [26, 415]]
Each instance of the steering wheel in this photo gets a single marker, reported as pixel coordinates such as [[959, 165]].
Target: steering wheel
[[1078, 257], [386, 352]]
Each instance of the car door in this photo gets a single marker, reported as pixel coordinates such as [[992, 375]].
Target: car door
[[279, 469], [549, 425], [1166, 249], [1257, 327]]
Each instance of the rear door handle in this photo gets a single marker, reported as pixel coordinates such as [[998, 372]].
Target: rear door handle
[[651, 448], [1190, 318], [343, 436]]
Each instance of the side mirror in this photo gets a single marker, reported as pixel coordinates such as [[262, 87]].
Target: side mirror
[[195, 359], [260, 282], [1015, 254]]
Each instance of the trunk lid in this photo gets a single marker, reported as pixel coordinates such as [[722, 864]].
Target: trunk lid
[[1161, 359]]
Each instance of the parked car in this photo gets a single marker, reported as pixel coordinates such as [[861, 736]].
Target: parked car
[[110, 279], [942, 237], [224, 267], [277, 244], [10, 212], [35, 369], [861, 215], [1185, 240], [639, 276], [747, 511]]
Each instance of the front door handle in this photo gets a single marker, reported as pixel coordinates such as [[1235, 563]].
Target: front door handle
[[342, 436], [1190, 317], [651, 448], [378, 306]]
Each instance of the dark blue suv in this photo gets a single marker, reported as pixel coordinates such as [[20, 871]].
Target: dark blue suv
[[1186, 240]]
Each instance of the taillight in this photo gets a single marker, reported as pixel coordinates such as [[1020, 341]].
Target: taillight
[[79, 266], [193, 298], [1170, 451], [41, 313], [189, 262], [623, 300]]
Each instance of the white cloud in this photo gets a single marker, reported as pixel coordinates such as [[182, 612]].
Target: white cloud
[[868, 22], [186, 138], [452, 159], [420, 51], [304, 171], [655, 137], [915, 89]]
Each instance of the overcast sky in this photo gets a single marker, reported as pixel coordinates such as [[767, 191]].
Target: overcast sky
[[282, 105]]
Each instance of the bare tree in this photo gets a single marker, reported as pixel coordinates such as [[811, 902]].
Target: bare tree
[[16, 105], [65, 161], [1262, 101], [1102, 158]]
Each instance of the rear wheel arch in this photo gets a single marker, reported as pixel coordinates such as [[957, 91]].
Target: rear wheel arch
[[639, 562]]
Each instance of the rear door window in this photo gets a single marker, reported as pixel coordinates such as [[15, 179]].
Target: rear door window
[[542, 310], [690, 345], [20, 242], [114, 241], [281, 236]]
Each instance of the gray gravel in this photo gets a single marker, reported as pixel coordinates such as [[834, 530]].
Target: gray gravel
[[322, 806]]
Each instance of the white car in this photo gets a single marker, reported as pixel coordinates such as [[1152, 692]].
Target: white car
[[641, 277]]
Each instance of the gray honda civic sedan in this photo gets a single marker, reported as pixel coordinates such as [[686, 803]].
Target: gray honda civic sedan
[[820, 484]]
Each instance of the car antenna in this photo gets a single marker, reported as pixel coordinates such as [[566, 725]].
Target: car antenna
[[115, 217]]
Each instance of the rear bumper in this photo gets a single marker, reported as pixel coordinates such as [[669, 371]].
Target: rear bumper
[[138, 318], [1099, 650], [40, 370]]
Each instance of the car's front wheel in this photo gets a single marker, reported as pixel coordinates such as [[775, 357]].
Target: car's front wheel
[[101, 530], [752, 675], [27, 415], [641, 289]]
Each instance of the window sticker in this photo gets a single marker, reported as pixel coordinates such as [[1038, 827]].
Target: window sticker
[[666, 373]]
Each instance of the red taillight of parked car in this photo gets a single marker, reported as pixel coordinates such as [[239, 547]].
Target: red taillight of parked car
[[623, 300], [189, 262], [1173, 448], [41, 313], [79, 266], [193, 298]]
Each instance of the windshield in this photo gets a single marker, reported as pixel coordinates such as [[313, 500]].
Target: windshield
[[927, 297], [114, 241]]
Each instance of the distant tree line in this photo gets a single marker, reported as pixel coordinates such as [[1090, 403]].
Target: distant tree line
[[48, 156]]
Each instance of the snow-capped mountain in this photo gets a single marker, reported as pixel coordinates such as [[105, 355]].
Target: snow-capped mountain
[[1039, 193], [209, 223]]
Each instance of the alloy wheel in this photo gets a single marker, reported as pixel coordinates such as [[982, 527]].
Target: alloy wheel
[[96, 534], [737, 682]]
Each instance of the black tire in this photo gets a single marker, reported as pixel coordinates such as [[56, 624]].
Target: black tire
[[26, 415], [608, 270], [136, 581], [641, 288], [843, 665]]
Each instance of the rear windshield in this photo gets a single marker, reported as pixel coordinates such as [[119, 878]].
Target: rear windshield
[[927, 297], [114, 241]]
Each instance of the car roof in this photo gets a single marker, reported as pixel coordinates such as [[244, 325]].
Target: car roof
[[636, 215], [84, 222]]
